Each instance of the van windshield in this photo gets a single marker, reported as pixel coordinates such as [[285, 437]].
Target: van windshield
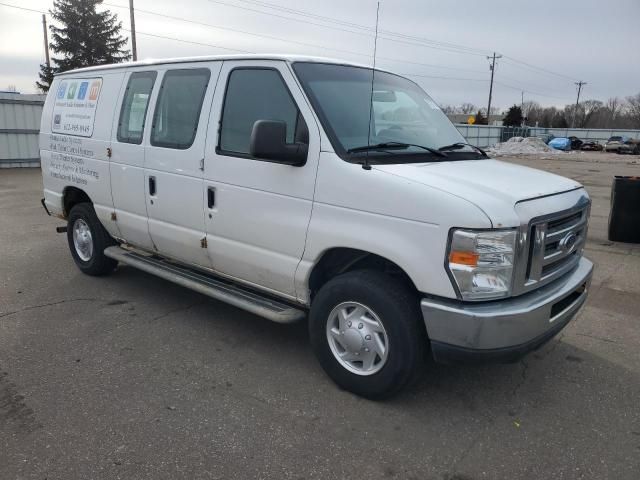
[[402, 114]]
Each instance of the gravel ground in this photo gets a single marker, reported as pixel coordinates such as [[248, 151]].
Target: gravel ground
[[132, 377]]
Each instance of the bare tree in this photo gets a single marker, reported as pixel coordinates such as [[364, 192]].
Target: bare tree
[[633, 109], [589, 109], [527, 106], [467, 108], [448, 109], [614, 107]]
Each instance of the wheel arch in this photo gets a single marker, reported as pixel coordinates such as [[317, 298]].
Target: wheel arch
[[71, 196], [338, 260]]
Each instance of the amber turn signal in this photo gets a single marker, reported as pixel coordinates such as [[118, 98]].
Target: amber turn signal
[[464, 258]]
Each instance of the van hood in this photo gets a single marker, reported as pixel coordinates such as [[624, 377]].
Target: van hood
[[492, 185]]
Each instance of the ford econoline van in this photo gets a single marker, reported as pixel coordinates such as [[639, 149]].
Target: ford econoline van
[[301, 188]]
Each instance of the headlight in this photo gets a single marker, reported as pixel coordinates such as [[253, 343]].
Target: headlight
[[481, 262]]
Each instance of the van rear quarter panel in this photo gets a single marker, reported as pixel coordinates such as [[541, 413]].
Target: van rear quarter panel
[[77, 161]]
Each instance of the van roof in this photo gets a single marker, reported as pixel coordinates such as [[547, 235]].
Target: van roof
[[211, 58]]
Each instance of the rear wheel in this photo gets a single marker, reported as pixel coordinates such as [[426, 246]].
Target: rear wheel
[[87, 240], [365, 328]]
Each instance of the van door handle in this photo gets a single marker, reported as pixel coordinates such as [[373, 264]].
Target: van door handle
[[152, 186], [211, 197]]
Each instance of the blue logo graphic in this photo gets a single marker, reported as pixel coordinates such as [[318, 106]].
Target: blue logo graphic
[[82, 92], [61, 89]]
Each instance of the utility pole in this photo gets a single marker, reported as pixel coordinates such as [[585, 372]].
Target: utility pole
[[492, 67], [575, 110], [134, 50], [46, 40]]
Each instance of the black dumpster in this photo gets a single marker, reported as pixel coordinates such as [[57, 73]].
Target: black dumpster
[[624, 219]]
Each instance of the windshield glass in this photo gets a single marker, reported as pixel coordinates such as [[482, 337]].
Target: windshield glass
[[402, 112]]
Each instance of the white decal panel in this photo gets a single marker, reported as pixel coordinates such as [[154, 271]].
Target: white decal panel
[[75, 106]]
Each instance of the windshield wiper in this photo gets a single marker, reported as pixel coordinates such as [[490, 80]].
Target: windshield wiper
[[459, 145], [395, 146]]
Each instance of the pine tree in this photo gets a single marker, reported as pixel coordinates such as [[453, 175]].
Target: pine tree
[[82, 37], [481, 119], [513, 118]]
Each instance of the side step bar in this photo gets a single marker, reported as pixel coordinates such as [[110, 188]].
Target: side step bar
[[209, 285]]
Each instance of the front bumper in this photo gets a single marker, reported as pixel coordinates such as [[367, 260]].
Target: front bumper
[[504, 330]]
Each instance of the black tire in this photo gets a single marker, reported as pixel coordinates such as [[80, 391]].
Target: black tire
[[97, 264], [398, 309]]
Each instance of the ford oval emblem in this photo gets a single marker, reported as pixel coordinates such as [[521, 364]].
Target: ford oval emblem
[[569, 241]]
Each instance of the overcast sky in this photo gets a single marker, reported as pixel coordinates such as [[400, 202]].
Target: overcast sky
[[590, 40]]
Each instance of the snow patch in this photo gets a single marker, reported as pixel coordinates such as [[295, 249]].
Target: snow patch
[[522, 146]]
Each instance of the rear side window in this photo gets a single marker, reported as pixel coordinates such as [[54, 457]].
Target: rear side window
[[134, 107], [255, 94], [175, 120]]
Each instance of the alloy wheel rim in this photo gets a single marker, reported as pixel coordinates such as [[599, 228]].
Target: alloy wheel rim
[[357, 338], [82, 239]]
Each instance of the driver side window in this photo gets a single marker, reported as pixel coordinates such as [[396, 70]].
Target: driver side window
[[256, 94]]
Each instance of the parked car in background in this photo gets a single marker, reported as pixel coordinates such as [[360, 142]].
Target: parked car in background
[[591, 145], [630, 147], [576, 143], [614, 143], [560, 143]]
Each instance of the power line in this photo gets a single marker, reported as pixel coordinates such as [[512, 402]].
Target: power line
[[22, 8], [430, 65], [452, 48], [415, 41], [288, 18], [522, 64], [526, 84], [434, 46], [444, 77], [428, 42], [308, 14], [273, 37], [47, 60], [171, 17], [424, 42], [363, 27], [528, 91], [188, 41], [210, 25]]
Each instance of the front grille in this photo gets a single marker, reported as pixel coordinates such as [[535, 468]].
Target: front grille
[[564, 221], [556, 246]]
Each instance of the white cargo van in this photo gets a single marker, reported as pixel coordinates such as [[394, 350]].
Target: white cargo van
[[295, 187]]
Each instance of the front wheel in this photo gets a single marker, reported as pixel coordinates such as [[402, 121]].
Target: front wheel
[[365, 328], [87, 240]]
